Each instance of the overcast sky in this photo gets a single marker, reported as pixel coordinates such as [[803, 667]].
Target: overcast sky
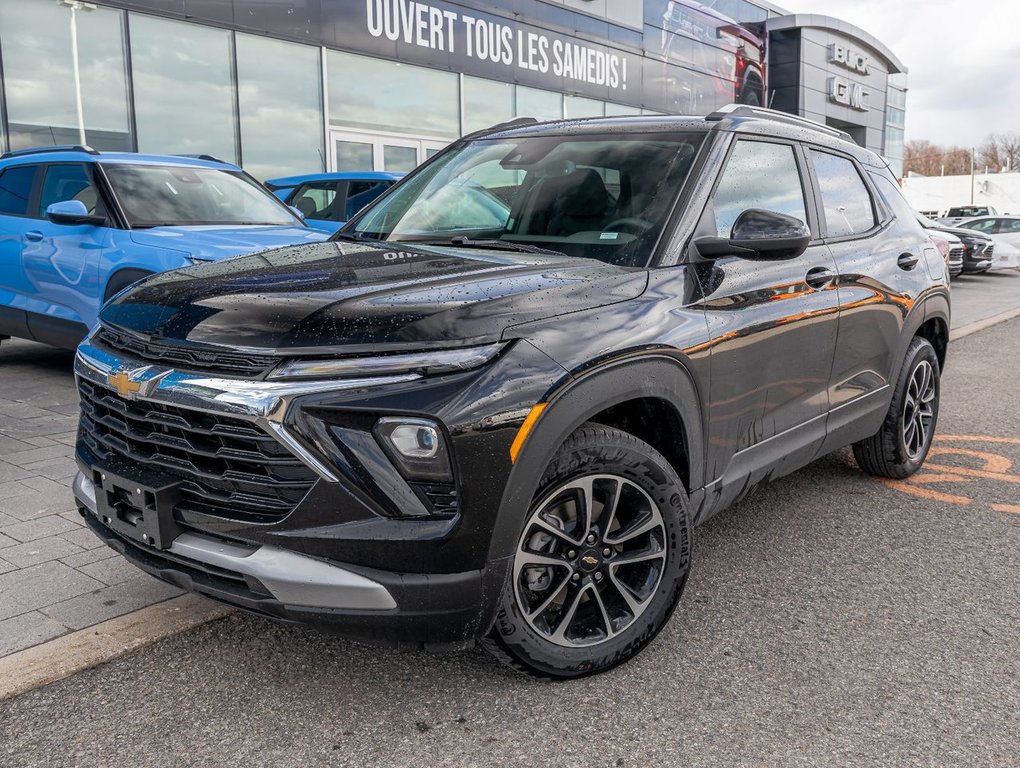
[[963, 60]]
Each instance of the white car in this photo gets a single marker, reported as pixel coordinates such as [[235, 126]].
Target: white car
[[953, 216], [1005, 231]]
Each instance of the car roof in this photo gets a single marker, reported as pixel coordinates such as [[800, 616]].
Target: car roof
[[973, 219], [85, 154], [735, 118], [289, 181]]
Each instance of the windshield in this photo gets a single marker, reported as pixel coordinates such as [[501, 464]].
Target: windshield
[[170, 195], [605, 197]]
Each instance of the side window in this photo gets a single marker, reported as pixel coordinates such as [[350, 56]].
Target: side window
[[758, 175], [361, 193], [68, 182], [314, 200], [985, 225], [847, 202], [16, 189], [1009, 226], [894, 200]]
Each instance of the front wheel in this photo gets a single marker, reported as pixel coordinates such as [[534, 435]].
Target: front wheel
[[601, 561], [899, 448]]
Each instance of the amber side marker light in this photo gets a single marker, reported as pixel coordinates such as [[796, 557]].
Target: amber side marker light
[[525, 430]]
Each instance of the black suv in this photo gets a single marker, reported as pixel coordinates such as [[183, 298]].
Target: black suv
[[494, 406]]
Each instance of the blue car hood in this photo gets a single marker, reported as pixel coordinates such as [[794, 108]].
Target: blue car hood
[[212, 243]]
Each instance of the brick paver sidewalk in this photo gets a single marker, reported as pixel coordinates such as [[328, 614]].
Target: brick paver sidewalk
[[55, 575]]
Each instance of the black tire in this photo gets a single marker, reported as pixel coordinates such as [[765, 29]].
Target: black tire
[[887, 452], [122, 280], [632, 477]]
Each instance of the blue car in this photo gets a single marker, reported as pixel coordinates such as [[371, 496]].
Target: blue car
[[77, 226], [329, 200]]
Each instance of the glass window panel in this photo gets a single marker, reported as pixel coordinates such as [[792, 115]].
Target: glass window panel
[[847, 202], [16, 189], [280, 104], [399, 159], [578, 106], [361, 193], [314, 200], [486, 103], [184, 92], [353, 156], [390, 96], [621, 109], [758, 175], [542, 105], [68, 182], [39, 75]]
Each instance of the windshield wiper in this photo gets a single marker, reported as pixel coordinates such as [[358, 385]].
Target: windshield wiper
[[462, 241], [354, 237]]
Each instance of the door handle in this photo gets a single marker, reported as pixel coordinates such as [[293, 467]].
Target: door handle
[[907, 260], [34, 236], [819, 277]]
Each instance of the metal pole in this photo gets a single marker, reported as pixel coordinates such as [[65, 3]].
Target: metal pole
[[77, 75], [972, 161]]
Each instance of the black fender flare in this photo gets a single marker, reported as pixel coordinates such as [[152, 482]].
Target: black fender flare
[[932, 307], [122, 278], [578, 399]]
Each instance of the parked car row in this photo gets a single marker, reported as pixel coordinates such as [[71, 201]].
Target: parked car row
[[967, 251]]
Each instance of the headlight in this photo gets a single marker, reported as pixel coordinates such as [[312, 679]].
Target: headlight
[[421, 363]]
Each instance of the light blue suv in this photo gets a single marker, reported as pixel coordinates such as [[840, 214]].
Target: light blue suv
[[329, 200], [78, 226]]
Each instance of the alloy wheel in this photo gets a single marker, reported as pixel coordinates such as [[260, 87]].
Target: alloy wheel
[[919, 409], [590, 560]]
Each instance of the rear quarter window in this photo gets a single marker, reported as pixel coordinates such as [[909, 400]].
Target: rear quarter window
[[16, 189], [845, 198]]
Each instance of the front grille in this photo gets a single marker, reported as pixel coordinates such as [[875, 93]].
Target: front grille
[[227, 467], [189, 358], [956, 254], [989, 250]]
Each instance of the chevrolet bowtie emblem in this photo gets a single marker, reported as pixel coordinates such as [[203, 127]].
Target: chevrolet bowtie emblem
[[128, 383], [589, 560], [121, 382]]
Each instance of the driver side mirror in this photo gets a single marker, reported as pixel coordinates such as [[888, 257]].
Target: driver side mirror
[[73, 212], [759, 234]]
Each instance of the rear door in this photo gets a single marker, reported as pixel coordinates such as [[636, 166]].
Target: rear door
[[772, 322], [1007, 245], [17, 190], [885, 260], [62, 260]]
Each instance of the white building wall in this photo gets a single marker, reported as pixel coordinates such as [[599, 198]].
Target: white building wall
[[937, 193]]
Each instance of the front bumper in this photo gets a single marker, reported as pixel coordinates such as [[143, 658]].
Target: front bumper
[[379, 607]]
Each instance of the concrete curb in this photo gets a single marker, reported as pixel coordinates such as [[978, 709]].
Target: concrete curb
[[64, 656], [980, 325]]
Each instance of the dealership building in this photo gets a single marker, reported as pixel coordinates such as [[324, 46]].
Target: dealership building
[[289, 86]]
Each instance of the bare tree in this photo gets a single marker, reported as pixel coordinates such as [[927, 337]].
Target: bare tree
[[1000, 150], [927, 159]]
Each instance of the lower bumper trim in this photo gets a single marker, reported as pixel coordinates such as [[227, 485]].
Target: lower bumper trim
[[290, 577]]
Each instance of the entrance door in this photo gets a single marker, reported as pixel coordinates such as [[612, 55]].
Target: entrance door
[[353, 151]]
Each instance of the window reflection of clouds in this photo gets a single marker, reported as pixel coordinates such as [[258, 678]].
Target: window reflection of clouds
[[184, 92], [38, 78], [758, 175], [542, 105], [279, 95], [486, 103], [388, 96], [578, 106]]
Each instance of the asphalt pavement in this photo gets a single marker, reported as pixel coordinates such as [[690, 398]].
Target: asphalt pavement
[[830, 619]]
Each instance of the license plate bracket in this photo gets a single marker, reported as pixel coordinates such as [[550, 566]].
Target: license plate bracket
[[140, 508]]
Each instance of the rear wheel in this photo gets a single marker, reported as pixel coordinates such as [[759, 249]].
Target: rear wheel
[[601, 560], [899, 448]]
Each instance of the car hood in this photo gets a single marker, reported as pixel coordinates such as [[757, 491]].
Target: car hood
[[348, 297], [962, 231], [211, 243]]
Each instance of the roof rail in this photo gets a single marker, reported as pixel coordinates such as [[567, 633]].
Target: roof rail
[[515, 123], [42, 150], [210, 158], [746, 110]]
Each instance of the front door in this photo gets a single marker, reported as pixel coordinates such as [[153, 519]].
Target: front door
[[354, 151], [772, 323]]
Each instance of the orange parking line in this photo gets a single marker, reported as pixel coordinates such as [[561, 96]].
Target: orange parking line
[[976, 473], [927, 493], [1013, 508], [980, 439], [993, 461]]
